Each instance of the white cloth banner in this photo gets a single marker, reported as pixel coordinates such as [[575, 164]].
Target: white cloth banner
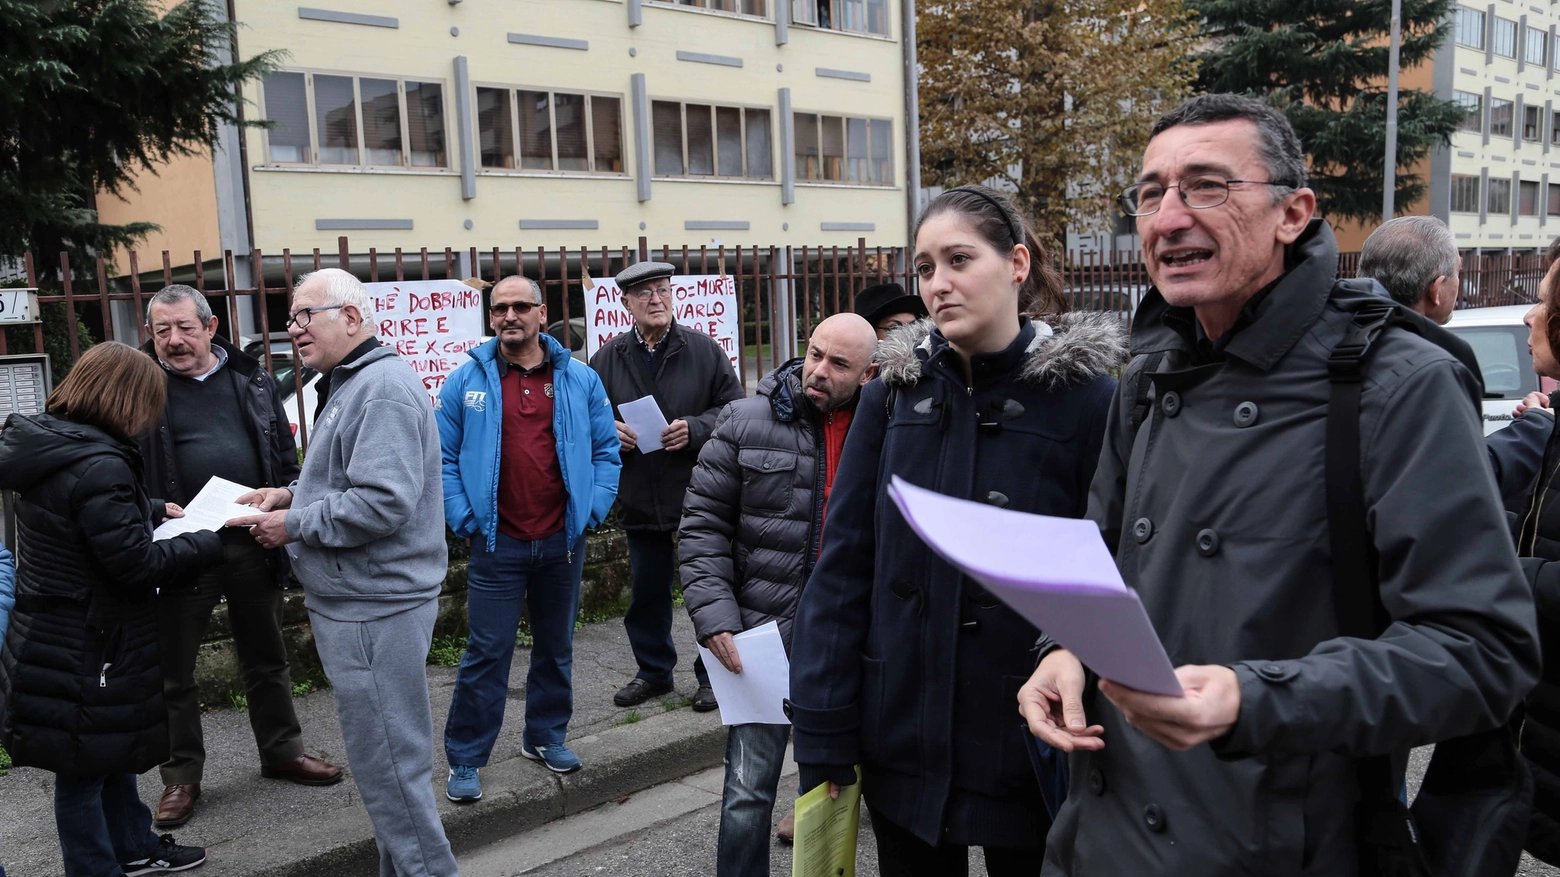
[[702, 303], [430, 323]]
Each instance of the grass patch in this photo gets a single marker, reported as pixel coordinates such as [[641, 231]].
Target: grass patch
[[5, 762], [238, 700], [676, 703], [447, 651], [310, 682], [632, 717]]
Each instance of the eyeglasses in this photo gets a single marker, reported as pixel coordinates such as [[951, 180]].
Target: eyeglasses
[[520, 307], [302, 317], [645, 294], [1198, 191]]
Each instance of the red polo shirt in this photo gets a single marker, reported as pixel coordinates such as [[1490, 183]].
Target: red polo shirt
[[532, 499]]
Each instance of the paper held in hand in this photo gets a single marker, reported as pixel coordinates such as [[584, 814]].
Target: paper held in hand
[[644, 417], [757, 694], [1056, 572], [826, 832], [209, 510]]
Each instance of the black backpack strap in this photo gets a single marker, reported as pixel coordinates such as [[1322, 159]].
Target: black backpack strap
[[1144, 385]]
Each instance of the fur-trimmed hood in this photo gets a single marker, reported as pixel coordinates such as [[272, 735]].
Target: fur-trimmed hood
[[1072, 348]]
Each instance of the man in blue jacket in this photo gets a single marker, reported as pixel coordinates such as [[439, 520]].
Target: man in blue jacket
[[530, 460]]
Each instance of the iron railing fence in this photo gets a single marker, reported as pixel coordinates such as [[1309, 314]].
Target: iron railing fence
[[775, 285]]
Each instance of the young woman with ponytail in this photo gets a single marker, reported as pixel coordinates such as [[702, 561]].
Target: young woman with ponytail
[[901, 664]]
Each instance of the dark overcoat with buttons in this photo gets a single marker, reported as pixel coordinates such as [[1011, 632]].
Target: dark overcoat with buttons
[[1538, 543], [1216, 507], [899, 662]]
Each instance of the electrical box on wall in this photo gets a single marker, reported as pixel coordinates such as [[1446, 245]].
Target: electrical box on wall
[[19, 306], [24, 384]]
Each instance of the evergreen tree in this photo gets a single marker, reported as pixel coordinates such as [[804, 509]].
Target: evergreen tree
[[1324, 63], [93, 91]]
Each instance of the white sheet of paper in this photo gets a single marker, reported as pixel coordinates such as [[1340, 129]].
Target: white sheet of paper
[[644, 417], [758, 693], [1056, 572], [209, 510]]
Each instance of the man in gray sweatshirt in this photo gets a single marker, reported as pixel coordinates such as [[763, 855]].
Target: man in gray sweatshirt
[[364, 526]]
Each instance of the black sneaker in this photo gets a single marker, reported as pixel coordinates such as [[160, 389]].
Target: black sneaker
[[167, 858], [637, 691], [704, 700]]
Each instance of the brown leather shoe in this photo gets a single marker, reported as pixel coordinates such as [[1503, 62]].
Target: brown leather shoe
[[786, 830], [177, 804], [305, 770]]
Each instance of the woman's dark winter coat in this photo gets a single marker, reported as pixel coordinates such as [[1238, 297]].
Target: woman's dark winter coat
[[80, 679], [899, 662], [1539, 734]]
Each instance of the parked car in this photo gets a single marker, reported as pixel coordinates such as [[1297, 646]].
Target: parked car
[[288, 373], [1499, 340], [576, 339]]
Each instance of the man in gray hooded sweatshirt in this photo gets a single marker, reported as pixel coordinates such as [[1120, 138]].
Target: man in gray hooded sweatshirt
[[364, 526]]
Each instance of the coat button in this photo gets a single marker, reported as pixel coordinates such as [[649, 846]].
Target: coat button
[[1274, 672], [1245, 414], [1154, 818], [999, 500], [1142, 530], [1207, 543], [767, 464], [1096, 781], [1171, 403]]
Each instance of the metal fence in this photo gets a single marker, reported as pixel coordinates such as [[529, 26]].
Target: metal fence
[[791, 288]]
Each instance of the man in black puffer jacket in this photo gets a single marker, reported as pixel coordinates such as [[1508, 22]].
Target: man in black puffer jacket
[[752, 522]]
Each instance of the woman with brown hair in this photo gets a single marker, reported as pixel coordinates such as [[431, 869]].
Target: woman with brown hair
[[80, 676], [900, 663]]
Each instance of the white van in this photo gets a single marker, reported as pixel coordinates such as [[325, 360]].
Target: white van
[[1499, 340]]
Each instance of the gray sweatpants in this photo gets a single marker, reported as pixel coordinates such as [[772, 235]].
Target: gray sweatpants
[[379, 672]]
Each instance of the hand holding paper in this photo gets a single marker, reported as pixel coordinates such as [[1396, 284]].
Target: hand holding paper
[[209, 510], [757, 694], [644, 417]]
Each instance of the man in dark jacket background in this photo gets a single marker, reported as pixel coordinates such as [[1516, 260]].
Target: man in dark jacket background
[[751, 527], [224, 418], [691, 378], [1216, 509]]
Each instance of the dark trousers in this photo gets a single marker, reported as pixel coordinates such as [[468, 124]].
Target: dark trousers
[[652, 559], [101, 823], [543, 576], [902, 854], [255, 615]]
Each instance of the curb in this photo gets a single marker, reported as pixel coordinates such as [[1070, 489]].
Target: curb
[[518, 795]]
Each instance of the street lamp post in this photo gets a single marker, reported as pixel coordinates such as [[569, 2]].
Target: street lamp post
[[1389, 185]]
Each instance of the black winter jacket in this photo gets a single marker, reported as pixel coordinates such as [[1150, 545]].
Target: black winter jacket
[[80, 679], [752, 516], [900, 662], [1539, 734], [268, 426], [694, 382]]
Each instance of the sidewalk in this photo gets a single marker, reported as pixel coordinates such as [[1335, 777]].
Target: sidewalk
[[254, 826]]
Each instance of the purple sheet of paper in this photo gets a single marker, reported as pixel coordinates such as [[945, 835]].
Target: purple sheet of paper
[[1056, 572]]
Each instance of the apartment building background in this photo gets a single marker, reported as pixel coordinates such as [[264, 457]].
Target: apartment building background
[[425, 123]]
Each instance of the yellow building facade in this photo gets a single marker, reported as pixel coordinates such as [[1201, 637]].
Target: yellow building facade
[[483, 123]]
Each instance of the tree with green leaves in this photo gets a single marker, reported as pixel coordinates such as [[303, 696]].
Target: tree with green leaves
[[1051, 100], [95, 91], [1324, 63]]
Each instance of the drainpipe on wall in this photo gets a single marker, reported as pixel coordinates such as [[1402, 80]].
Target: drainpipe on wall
[[912, 120]]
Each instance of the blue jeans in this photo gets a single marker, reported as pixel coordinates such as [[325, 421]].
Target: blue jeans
[[652, 558], [755, 755], [101, 822], [544, 576]]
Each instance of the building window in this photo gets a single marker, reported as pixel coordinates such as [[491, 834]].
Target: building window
[[1500, 117], [1554, 128], [1554, 199], [356, 120], [1505, 37], [1499, 196], [1470, 28], [1465, 194], [703, 140], [1527, 198], [550, 130], [1537, 41], [1474, 104], [842, 149], [859, 16], [1532, 122], [743, 7]]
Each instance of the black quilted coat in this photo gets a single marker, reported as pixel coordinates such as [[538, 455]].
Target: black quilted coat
[[1539, 737], [80, 680]]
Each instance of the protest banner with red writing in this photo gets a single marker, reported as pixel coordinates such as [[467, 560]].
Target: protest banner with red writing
[[703, 303], [430, 323]]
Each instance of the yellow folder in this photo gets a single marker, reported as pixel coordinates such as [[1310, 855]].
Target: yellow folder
[[826, 831]]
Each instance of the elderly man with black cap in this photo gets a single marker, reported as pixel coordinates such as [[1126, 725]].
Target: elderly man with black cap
[[887, 307], [691, 378]]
